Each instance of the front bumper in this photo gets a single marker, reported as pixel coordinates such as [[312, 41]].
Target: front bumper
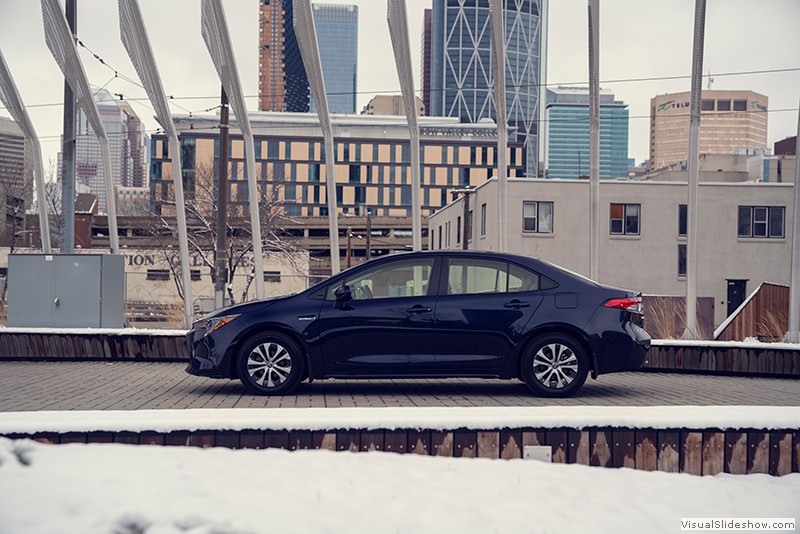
[[202, 358]]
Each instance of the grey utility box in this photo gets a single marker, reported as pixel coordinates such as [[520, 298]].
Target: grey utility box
[[66, 290]]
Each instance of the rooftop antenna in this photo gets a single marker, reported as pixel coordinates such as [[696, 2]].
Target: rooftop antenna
[[710, 80]]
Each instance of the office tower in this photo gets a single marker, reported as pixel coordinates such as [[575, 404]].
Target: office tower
[[126, 144], [425, 78], [567, 123], [730, 121], [283, 84], [461, 70], [16, 180]]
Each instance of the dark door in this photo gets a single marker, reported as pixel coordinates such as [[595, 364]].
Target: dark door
[[736, 294], [481, 313], [387, 326]]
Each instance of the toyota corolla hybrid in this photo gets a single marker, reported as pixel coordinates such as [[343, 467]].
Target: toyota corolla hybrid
[[429, 314]]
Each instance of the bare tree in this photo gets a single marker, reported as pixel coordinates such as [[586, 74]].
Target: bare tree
[[201, 214]]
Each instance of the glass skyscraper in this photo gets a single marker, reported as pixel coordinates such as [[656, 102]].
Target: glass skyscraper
[[461, 69], [567, 148], [337, 37]]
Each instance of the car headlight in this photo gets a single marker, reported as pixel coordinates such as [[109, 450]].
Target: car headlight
[[215, 323]]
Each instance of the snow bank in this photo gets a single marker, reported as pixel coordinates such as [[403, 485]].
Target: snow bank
[[169, 490], [449, 418], [758, 345], [92, 331]]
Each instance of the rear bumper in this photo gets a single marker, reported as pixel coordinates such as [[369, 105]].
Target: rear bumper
[[626, 352]]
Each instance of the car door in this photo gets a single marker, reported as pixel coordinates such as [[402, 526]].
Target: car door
[[386, 328], [483, 307]]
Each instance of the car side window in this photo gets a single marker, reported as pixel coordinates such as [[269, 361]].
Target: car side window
[[397, 279], [469, 276]]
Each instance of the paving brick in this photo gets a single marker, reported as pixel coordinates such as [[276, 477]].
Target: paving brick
[[30, 386]]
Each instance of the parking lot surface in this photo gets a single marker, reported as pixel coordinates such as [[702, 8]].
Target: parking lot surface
[[31, 386]]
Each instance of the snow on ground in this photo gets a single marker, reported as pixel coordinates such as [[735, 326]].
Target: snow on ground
[[433, 418], [129, 489]]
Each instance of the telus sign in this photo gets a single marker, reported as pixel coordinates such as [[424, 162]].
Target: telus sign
[[672, 104]]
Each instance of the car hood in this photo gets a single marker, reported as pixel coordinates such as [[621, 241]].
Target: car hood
[[246, 307]]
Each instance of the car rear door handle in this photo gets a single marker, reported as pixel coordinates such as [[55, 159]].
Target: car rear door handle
[[516, 304], [418, 309]]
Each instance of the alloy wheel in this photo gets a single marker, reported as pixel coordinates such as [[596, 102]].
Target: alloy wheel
[[269, 364], [555, 365]]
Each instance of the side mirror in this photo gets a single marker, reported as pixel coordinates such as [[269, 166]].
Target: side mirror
[[342, 294]]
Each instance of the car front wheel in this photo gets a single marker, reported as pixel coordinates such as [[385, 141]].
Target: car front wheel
[[555, 365], [270, 364]]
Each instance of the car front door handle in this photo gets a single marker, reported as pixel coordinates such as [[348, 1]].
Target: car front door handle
[[516, 304], [418, 309]]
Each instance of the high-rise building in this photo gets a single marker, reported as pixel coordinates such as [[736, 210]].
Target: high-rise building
[[16, 180], [283, 84], [567, 137], [337, 37], [425, 75], [126, 144], [730, 121], [461, 68]]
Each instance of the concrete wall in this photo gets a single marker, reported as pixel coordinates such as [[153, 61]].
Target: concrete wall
[[647, 262]]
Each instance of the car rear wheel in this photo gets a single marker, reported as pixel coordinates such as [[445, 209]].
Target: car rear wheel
[[554, 365], [270, 364]]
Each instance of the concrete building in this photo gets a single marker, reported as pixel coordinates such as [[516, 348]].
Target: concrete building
[[126, 142], [461, 72], [390, 105], [16, 181], [729, 121], [283, 84], [744, 232], [567, 139], [371, 172], [786, 147], [133, 201]]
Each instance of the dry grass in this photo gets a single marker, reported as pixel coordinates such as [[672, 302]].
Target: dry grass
[[773, 326], [664, 317]]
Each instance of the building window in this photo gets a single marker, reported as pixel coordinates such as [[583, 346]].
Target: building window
[[723, 105], [681, 260], [707, 105], [625, 219], [272, 276], [483, 219], [440, 237], [458, 230], [761, 221], [194, 274], [682, 220], [537, 217], [468, 229], [740, 105], [157, 274]]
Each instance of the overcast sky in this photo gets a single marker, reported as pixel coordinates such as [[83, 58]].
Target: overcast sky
[[639, 39]]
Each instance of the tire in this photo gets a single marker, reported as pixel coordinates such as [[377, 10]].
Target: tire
[[554, 365], [270, 364]]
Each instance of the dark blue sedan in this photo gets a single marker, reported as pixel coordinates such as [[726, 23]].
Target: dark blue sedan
[[429, 314]]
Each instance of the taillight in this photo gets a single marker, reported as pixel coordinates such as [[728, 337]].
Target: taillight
[[631, 304]]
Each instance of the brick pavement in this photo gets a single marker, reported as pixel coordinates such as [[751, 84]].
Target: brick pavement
[[26, 386]]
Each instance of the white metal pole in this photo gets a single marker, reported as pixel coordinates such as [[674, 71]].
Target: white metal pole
[[694, 160], [594, 139], [61, 43], [793, 335], [137, 44], [309, 50], [398, 30], [498, 44], [9, 96], [218, 41]]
